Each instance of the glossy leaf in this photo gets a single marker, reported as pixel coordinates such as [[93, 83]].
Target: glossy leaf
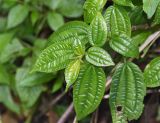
[[69, 32], [17, 15], [99, 57], [152, 73], [55, 57], [88, 90], [91, 7], [55, 20], [117, 20], [98, 31], [71, 72], [124, 45], [156, 19], [149, 6], [124, 2], [127, 93], [79, 48]]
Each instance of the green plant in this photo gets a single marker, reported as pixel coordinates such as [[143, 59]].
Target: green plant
[[79, 48]]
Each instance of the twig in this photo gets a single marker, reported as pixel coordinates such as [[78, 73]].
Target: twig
[[75, 120], [66, 114]]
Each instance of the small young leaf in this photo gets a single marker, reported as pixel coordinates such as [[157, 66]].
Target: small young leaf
[[149, 6], [55, 20], [70, 31], [58, 83], [152, 73], [118, 21], [79, 48], [17, 15], [54, 57], [88, 90], [98, 31], [124, 45], [127, 93], [71, 72], [124, 2], [91, 7], [99, 57], [35, 15], [156, 19]]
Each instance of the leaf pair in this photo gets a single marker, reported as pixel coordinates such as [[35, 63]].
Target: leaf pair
[[127, 93]]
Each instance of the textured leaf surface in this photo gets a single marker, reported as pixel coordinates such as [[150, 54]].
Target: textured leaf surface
[[54, 57], [71, 72], [127, 93], [149, 6], [117, 21], [17, 15], [124, 2], [55, 20], [28, 95], [88, 90], [99, 57], [156, 19], [98, 31], [79, 48], [69, 31], [152, 73], [124, 46], [91, 7], [7, 100]]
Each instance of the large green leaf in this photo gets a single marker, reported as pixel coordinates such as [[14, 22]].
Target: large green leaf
[[149, 6], [71, 72], [69, 31], [98, 31], [88, 90], [79, 48], [99, 57], [17, 15], [91, 7], [124, 2], [152, 73], [7, 100], [124, 45], [55, 57], [55, 20], [156, 19], [28, 95], [127, 93], [117, 21]]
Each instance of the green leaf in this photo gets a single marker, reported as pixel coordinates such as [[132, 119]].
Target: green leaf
[[17, 15], [117, 21], [149, 7], [70, 31], [52, 4], [7, 100], [98, 31], [156, 19], [91, 7], [55, 20], [137, 16], [28, 95], [124, 2], [58, 83], [79, 48], [35, 15], [152, 73], [71, 72], [55, 57], [98, 57], [124, 46], [140, 38], [4, 76], [88, 90], [127, 93], [71, 8]]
